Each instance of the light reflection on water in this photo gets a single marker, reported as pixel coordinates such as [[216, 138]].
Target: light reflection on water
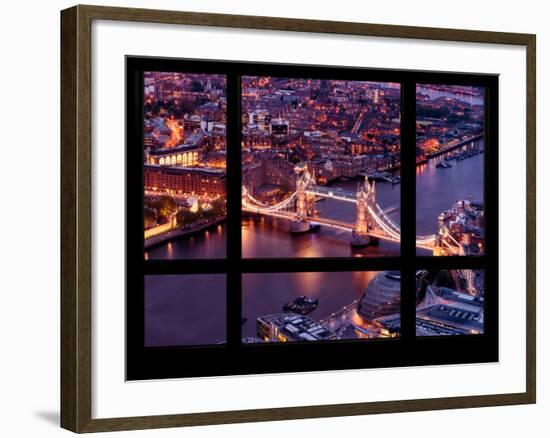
[[265, 294], [438, 189]]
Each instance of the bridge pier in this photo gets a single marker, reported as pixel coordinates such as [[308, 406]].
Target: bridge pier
[[362, 240], [298, 226]]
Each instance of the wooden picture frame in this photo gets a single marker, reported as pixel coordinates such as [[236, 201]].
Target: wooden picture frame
[[76, 218]]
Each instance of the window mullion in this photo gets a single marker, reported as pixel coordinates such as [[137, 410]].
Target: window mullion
[[408, 208], [233, 167]]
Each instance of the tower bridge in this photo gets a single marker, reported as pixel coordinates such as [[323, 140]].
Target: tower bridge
[[371, 223]]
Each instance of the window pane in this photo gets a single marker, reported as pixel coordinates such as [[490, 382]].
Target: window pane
[[185, 310], [314, 306], [308, 146], [184, 168], [449, 170], [449, 302]]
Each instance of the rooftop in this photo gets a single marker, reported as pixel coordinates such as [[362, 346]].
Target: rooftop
[[185, 147], [206, 171], [296, 327]]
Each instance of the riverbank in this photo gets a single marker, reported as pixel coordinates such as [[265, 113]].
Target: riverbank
[[454, 145], [438, 189], [175, 234]]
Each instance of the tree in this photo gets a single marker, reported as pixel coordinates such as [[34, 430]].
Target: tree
[[165, 206], [150, 217], [185, 217]]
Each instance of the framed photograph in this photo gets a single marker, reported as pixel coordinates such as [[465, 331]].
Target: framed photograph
[[281, 208]]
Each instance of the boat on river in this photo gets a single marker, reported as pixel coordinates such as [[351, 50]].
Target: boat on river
[[301, 305], [444, 164]]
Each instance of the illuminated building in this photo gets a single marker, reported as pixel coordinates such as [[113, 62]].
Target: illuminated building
[[382, 296], [217, 159], [445, 311], [289, 327], [253, 177], [279, 172], [183, 155], [279, 126], [184, 180], [260, 119], [389, 325], [461, 230], [213, 127]]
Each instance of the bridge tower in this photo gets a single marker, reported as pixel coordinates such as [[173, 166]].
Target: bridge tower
[[438, 249], [361, 225], [300, 224], [366, 196]]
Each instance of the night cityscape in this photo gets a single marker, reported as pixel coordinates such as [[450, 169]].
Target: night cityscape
[[320, 178], [449, 172], [184, 164], [308, 148]]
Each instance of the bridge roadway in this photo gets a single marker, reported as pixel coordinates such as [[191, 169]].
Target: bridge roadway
[[330, 192], [331, 223], [341, 195]]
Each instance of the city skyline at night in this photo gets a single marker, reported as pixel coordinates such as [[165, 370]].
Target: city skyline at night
[[450, 123], [306, 141], [185, 118], [320, 177]]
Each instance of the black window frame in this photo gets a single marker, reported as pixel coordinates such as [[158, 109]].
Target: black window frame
[[235, 358]]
